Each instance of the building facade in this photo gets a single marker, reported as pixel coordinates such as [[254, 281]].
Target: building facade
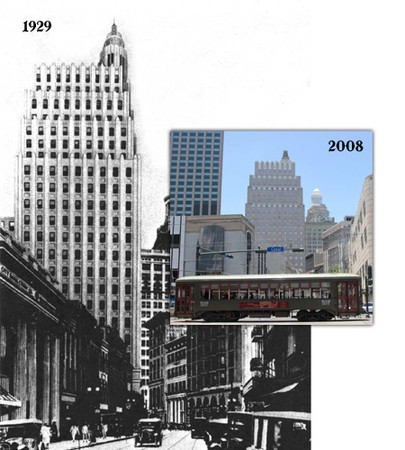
[[275, 207], [78, 182], [362, 234], [176, 366], [336, 241], [215, 362], [317, 221], [56, 363], [154, 300], [195, 172], [200, 245]]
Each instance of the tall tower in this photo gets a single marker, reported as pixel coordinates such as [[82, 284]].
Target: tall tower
[[78, 186], [317, 221], [275, 207], [195, 172]]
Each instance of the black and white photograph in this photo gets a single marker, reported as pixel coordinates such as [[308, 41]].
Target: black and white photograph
[[99, 238]]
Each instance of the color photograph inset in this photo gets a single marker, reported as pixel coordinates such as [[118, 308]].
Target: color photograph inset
[[273, 226]]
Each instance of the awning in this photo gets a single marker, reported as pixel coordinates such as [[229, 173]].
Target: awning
[[6, 399]]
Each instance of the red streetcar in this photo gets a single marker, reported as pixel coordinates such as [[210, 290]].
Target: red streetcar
[[307, 297]]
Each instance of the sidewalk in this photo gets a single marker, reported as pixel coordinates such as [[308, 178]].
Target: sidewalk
[[69, 445]]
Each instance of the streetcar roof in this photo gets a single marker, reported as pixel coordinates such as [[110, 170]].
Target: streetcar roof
[[268, 277]]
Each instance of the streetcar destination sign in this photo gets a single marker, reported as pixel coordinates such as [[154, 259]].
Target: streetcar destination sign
[[275, 249]]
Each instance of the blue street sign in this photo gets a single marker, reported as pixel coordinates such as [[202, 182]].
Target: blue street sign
[[275, 249]]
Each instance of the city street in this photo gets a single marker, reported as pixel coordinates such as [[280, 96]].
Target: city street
[[175, 439]]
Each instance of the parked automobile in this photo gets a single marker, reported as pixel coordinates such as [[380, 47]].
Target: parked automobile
[[21, 431], [149, 431]]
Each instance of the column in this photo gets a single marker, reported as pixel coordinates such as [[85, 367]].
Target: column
[[20, 370], [55, 380], [32, 370], [46, 379]]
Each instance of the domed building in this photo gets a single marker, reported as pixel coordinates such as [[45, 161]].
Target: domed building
[[317, 221]]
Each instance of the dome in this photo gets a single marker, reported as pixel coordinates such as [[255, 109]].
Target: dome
[[316, 197], [114, 37]]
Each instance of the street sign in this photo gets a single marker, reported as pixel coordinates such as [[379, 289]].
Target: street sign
[[275, 249]]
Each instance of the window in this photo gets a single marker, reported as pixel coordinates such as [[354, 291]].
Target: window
[[65, 171], [52, 236], [90, 255], [40, 236], [26, 186], [51, 253], [78, 188], [102, 238], [40, 170], [52, 220], [65, 236], [128, 172], [65, 254], [114, 289], [26, 236], [78, 254], [115, 255], [39, 220]]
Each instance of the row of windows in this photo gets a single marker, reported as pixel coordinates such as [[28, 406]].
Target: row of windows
[[77, 219], [77, 144], [77, 236], [96, 89], [77, 155], [102, 271], [90, 253], [78, 171], [77, 78], [77, 188], [76, 131], [67, 103], [78, 204]]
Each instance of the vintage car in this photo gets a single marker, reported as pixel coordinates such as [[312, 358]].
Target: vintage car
[[149, 431], [20, 431]]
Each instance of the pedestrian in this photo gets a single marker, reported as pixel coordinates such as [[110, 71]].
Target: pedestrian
[[46, 435], [104, 429], [54, 429], [85, 433], [74, 430]]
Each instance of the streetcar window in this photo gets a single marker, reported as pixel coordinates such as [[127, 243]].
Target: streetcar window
[[234, 291], [243, 291], [205, 293], [214, 292]]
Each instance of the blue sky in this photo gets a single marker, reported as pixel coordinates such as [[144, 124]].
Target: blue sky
[[338, 175]]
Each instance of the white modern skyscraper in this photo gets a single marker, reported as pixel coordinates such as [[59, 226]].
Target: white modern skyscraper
[[275, 207], [78, 186]]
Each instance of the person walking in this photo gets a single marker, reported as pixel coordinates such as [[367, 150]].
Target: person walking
[[74, 430], [104, 429], [85, 433], [54, 430], [45, 435]]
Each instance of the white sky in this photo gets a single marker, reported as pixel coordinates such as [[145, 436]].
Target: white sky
[[253, 64]]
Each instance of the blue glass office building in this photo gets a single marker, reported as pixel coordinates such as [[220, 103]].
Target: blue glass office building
[[195, 172]]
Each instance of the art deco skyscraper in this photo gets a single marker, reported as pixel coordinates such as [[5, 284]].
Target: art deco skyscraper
[[78, 185], [275, 207]]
